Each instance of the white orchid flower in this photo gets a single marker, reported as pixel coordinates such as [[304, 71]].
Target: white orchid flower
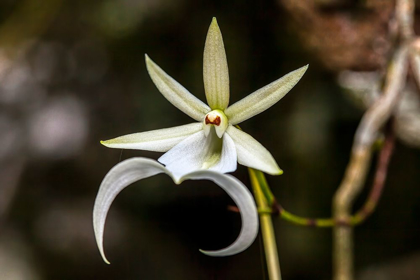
[[134, 169], [213, 142]]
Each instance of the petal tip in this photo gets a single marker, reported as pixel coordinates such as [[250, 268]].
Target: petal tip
[[107, 143], [303, 68], [214, 25], [210, 253], [106, 260], [104, 142], [203, 251], [147, 58], [276, 172], [149, 62]]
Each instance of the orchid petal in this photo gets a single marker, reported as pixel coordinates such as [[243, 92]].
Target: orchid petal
[[246, 205], [160, 140], [176, 93], [263, 98], [198, 152], [119, 177], [132, 170], [215, 69], [251, 153]]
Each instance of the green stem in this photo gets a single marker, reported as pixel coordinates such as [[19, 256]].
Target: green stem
[[271, 200], [269, 240], [302, 221], [273, 207]]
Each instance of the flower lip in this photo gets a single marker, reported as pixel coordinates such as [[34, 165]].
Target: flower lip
[[132, 170]]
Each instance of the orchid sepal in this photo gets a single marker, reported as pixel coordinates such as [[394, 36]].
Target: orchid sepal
[[215, 69]]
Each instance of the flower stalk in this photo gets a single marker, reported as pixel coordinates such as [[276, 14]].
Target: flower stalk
[[268, 205], [266, 224]]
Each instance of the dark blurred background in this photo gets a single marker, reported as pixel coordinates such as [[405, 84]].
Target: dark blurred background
[[72, 73]]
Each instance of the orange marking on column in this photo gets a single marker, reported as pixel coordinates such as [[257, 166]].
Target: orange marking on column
[[212, 119]]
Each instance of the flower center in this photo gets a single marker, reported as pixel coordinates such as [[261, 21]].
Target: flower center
[[218, 120], [213, 118]]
